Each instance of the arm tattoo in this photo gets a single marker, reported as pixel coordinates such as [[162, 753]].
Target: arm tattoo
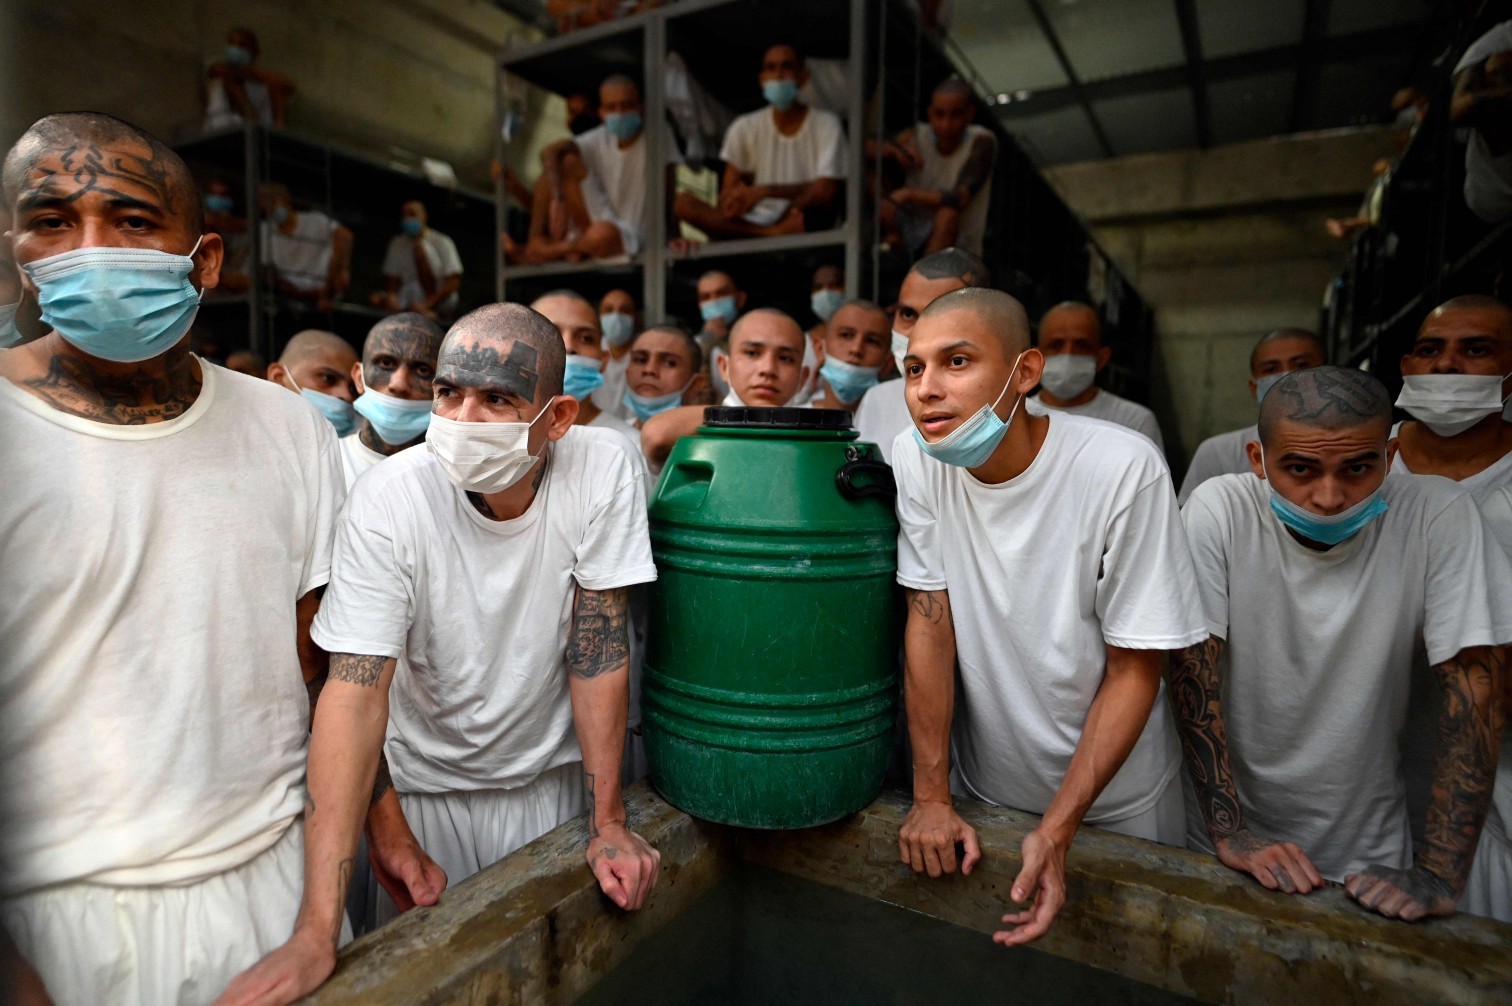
[[593, 828], [927, 604], [383, 781], [1469, 737], [357, 670], [1199, 720], [599, 640], [73, 386]]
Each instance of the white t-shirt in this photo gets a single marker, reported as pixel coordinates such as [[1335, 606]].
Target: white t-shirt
[[1488, 179], [1082, 551], [610, 396], [479, 610], [302, 258], [155, 712], [941, 172], [221, 114], [630, 440], [1319, 655], [755, 146], [623, 177], [882, 414], [440, 252], [356, 457], [1223, 454], [1110, 408]]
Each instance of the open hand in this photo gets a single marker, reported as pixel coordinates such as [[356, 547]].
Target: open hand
[[289, 973], [1277, 865], [928, 838], [626, 865], [1401, 894], [1041, 883]]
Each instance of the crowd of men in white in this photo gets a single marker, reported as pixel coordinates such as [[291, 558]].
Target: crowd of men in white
[[238, 645]]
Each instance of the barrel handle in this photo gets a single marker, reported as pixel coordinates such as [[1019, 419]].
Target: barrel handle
[[859, 461]]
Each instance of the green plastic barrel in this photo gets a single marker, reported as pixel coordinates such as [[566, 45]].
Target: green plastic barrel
[[770, 677]]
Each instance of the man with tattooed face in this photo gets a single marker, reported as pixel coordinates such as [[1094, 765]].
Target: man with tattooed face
[[1322, 576], [394, 384], [477, 620], [167, 524]]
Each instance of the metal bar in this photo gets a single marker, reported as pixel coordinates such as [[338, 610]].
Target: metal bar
[[259, 341], [1310, 67], [1196, 76], [856, 172], [576, 39], [1048, 31], [834, 238], [655, 133]]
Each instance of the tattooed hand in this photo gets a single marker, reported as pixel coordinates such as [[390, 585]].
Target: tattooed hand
[[1277, 865], [626, 865], [1401, 894]]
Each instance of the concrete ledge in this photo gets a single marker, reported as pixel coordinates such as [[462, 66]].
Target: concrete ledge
[[1167, 917], [535, 929]]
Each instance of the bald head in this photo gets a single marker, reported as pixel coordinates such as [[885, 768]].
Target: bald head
[[1325, 398], [1498, 315], [952, 87], [1270, 340], [507, 347], [999, 313], [63, 153], [313, 342], [954, 263], [773, 324], [1073, 312]]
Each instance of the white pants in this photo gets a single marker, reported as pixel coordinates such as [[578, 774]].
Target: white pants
[[95, 945], [467, 831], [1165, 822]]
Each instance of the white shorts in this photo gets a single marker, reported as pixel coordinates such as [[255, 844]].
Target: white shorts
[[464, 832], [1488, 891], [95, 945], [1164, 823]]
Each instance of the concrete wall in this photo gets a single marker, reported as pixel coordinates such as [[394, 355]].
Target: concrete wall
[[417, 75], [1226, 244]]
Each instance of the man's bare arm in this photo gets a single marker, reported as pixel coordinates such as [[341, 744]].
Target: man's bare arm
[[1469, 740], [1194, 696], [928, 836], [598, 668], [662, 432]]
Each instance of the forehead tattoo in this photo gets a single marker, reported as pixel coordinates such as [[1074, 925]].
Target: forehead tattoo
[[479, 364], [111, 171], [404, 341]]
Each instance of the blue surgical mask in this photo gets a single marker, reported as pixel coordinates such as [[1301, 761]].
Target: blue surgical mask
[[10, 335], [338, 411], [623, 125], [395, 420], [412, 226], [646, 406], [582, 376], [973, 442], [780, 93], [280, 213], [825, 303], [1324, 530], [119, 304], [1264, 384], [238, 55], [217, 203], [617, 328], [848, 381], [719, 309]]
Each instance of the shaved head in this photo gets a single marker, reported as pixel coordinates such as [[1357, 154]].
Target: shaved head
[[406, 335], [1282, 334], [1472, 302], [1068, 309], [506, 346], [689, 343], [315, 342], [953, 87], [1325, 398], [954, 263], [91, 151], [1004, 316], [762, 317]]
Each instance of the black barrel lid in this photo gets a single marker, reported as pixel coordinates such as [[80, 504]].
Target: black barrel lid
[[780, 418]]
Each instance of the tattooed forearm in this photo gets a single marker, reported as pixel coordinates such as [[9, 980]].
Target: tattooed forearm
[[1199, 720], [974, 173], [927, 605], [356, 669], [383, 781], [1469, 738], [599, 640], [150, 395]]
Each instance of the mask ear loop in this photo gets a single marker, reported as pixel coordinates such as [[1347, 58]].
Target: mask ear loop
[[1013, 411]]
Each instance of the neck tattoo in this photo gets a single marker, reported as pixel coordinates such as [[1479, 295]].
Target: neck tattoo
[[152, 394]]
